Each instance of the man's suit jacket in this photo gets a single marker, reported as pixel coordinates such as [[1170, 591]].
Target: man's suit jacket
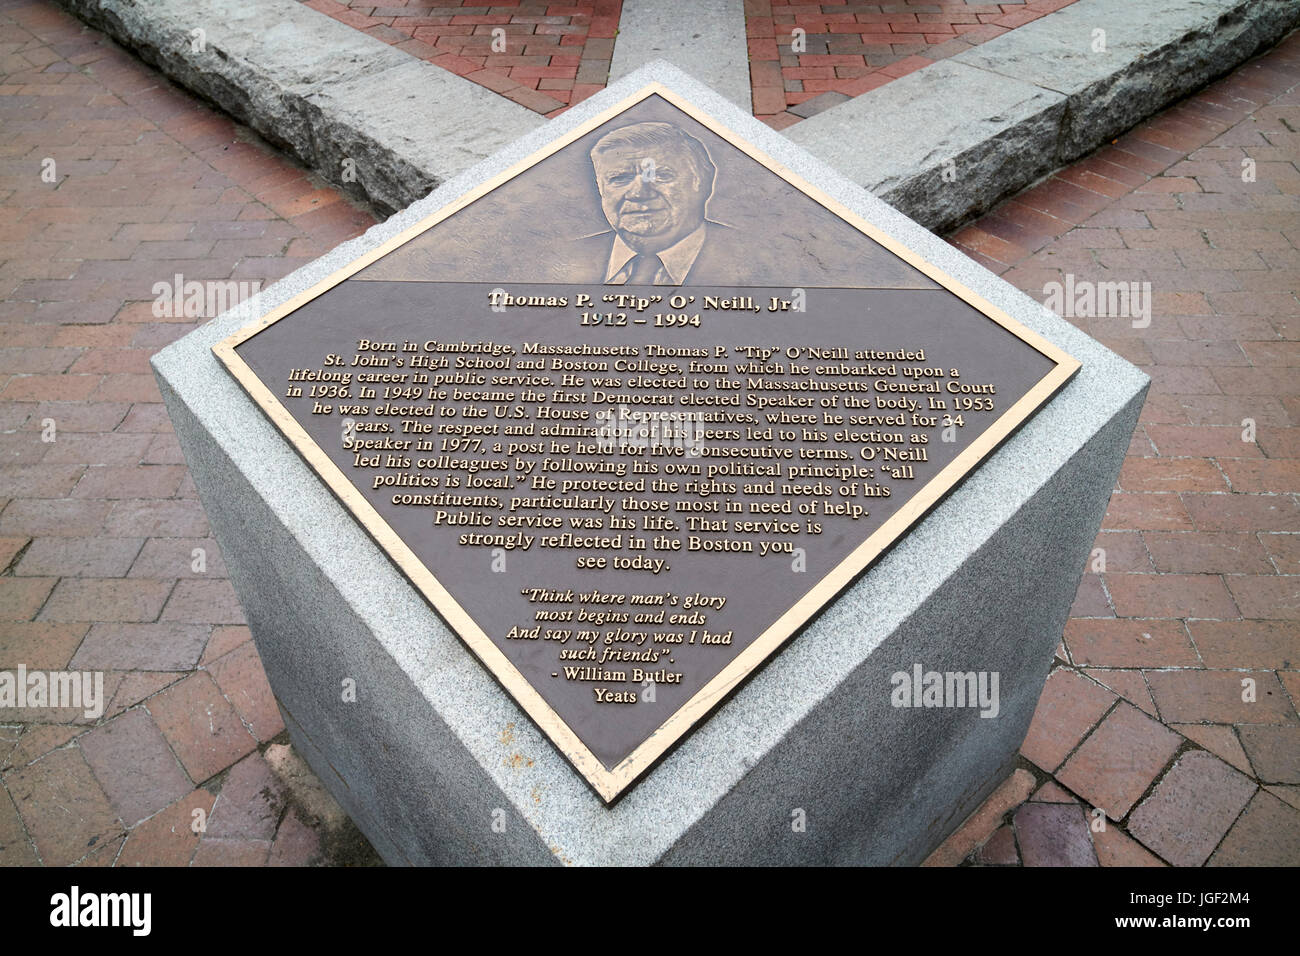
[[722, 259]]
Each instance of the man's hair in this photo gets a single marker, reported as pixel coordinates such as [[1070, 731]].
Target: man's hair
[[661, 134]]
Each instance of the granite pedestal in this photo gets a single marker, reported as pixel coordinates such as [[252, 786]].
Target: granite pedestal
[[810, 762]]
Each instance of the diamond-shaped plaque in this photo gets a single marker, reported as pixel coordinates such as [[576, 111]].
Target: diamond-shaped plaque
[[632, 412]]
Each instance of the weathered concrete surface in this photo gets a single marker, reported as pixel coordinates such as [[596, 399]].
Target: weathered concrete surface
[[988, 140], [946, 143], [1117, 61], [705, 40], [320, 89], [327, 92], [432, 751]]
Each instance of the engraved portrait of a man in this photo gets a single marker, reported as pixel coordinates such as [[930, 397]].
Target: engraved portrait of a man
[[655, 181], [648, 202]]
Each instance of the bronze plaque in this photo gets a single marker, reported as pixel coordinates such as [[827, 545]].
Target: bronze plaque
[[634, 411]]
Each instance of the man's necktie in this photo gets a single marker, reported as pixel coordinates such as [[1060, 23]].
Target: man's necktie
[[644, 270]]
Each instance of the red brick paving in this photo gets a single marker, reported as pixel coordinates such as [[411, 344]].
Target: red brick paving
[[1053, 834], [811, 56], [1190, 612], [556, 55], [544, 55], [106, 561]]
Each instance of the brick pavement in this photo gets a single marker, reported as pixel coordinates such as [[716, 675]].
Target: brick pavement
[[1171, 712], [807, 57], [803, 57], [107, 562], [540, 54]]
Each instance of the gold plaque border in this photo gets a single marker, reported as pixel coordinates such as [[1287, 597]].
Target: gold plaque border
[[611, 783]]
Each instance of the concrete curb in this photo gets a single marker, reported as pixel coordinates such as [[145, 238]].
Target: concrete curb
[[320, 89], [942, 144], [1001, 115], [708, 42]]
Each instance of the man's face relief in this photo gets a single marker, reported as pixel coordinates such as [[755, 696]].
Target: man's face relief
[[652, 195]]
